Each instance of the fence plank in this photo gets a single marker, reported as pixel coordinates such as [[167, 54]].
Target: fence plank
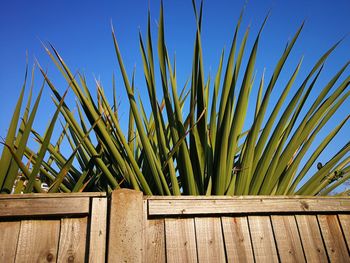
[[345, 225], [154, 238], [210, 244], [38, 241], [237, 239], [311, 238], [262, 238], [98, 230], [154, 241], [180, 240], [43, 206], [241, 197], [239, 205], [53, 195], [72, 243], [287, 238], [333, 238], [8, 239], [125, 232]]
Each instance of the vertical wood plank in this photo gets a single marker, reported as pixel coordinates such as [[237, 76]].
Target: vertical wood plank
[[125, 229], [180, 240], [72, 245], [287, 238], [210, 244], [262, 238], [333, 238], [237, 239], [311, 238], [98, 229], [8, 240], [155, 241], [345, 225], [38, 241], [154, 238]]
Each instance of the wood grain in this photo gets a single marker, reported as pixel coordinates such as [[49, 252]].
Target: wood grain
[[173, 229], [210, 244], [53, 195], [237, 239], [333, 238], [72, 245], [287, 238], [38, 241], [239, 205], [240, 197], [41, 206], [344, 220], [154, 241], [98, 230], [8, 240], [180, 240], [262, 238], [125, 232], [311, 238], [154, 238]]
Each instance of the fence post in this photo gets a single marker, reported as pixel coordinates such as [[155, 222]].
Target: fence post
[[125, 226]]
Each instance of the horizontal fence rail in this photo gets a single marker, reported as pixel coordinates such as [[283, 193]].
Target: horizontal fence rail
[[245, 204], [130, 227]]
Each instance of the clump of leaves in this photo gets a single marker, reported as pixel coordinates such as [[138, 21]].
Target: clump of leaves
[[199, 151]]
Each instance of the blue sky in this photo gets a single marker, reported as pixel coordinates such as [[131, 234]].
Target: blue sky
[[81, 32]]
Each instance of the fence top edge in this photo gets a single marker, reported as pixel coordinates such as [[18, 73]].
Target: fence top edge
[[52, 195], [182, 197], [247, 197]]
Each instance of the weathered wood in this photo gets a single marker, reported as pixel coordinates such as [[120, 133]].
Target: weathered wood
[[239, 205], [287, 239], [98, 230], [345, 225], [52, 195], [154, 241], [180, 240], [210, 244], [125, 232], [237, 239], [72, 243], [174, 229], [333, 238], [8, 239], [262, 239], [251, 197], [38, 241], [41, 206], [154, 238], [311, 238]]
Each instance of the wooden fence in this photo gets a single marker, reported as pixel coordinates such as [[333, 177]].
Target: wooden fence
[[53, 227], [131, 227]]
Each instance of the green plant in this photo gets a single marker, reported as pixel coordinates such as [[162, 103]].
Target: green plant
[[201, 151]]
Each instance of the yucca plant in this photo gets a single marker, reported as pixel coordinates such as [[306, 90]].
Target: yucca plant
[[200, 150]]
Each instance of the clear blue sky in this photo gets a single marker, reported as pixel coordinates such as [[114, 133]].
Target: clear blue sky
[[81, 32]]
